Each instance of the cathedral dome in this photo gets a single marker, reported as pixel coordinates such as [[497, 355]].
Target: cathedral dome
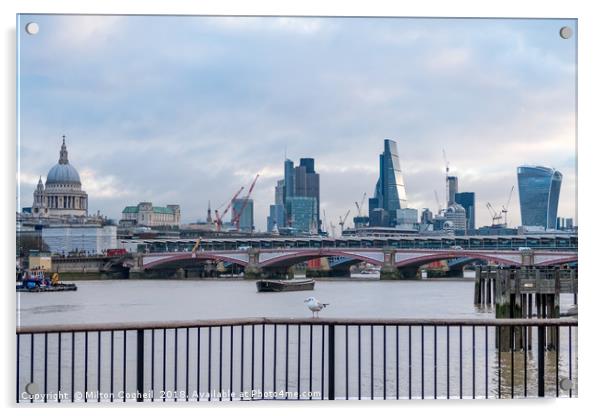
[[63, 172]]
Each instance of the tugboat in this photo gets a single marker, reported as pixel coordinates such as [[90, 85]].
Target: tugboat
[[36, 281], [285, 285]]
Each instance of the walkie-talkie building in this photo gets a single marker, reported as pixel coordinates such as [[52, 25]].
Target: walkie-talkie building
[[539, 192]]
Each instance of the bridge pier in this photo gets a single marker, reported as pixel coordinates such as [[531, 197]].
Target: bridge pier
[[252, 270], [388, 270], [389, 273]]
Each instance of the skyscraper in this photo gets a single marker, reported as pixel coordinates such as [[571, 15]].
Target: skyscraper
[[246, 214], [307, 183], [538, 192], [289, 179], [295, 193], [467, 200], [302, 212], [276, 218], [279, 193], [389, 193], [455, 215], [452, 189]]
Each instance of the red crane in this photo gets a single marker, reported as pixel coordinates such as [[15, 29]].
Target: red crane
[[236, 218], [218, 216]]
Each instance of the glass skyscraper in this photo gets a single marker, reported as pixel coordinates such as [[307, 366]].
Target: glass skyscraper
[[297, 198], [277, 217], [303, 213], [466, 199], [539, 192], [390, 191], [246, 214]]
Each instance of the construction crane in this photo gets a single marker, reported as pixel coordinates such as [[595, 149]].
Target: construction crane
[[505, 207], [196, 247], [218, 216], [324, 223], [342, 220], [495, 216], [236, 218], [360, 205]]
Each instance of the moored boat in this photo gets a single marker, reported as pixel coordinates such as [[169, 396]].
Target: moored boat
[[61, 287], [37, 281], [285, 285]]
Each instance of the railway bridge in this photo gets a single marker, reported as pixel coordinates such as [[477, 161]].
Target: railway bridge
[[394, 263]]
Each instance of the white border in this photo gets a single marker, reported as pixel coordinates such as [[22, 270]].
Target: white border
[[589, 159]]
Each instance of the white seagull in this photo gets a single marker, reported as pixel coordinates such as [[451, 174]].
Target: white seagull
[[315, 306]]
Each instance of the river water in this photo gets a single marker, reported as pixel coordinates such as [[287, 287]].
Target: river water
[[367, 363]]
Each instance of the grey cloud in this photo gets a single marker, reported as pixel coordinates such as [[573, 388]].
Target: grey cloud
[[177, 114]]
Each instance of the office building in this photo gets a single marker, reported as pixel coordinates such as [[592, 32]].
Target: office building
[[289, 179], [564, 223], [299, 182], [146, 215], [452, 189], [407, 219], [82, 238], [467, 201], [455, 214], [307, 183], [302, 213], [389, 193], [426, 217], [538, 192], [279, 193], [244, 212], [277, 218]]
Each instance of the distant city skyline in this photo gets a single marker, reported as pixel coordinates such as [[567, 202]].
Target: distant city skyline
[[192, 110]]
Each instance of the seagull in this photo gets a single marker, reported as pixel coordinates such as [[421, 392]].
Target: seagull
[[315, 306]]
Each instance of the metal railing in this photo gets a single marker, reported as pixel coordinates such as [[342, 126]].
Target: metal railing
[[293, 359]]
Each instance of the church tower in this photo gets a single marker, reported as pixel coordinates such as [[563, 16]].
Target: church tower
[[39, 207]]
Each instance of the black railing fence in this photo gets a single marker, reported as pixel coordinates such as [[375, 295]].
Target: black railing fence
[[296, 359]]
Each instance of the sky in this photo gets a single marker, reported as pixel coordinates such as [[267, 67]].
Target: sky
[[186, 110]]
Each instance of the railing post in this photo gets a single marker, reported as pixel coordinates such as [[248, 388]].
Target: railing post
[[331, 360], [139, 365], [540, 361]]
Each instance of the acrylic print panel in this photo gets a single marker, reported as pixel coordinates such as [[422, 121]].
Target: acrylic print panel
[[268, 208]]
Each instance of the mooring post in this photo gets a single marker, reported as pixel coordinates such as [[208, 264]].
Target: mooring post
[[139, 364], [541, 391], [573, 275], [476, 286], [488, 284], [331, 359], [517, 335], [503, 307]]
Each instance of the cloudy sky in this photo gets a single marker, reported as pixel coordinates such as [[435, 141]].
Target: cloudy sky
[[188, 109]]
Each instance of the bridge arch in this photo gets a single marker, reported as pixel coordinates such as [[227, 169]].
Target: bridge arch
[[559, 261], [446, 255], [298, 257], [200, 256]]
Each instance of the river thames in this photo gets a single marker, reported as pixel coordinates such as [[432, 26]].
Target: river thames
[[103, 301], [116, 301]]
